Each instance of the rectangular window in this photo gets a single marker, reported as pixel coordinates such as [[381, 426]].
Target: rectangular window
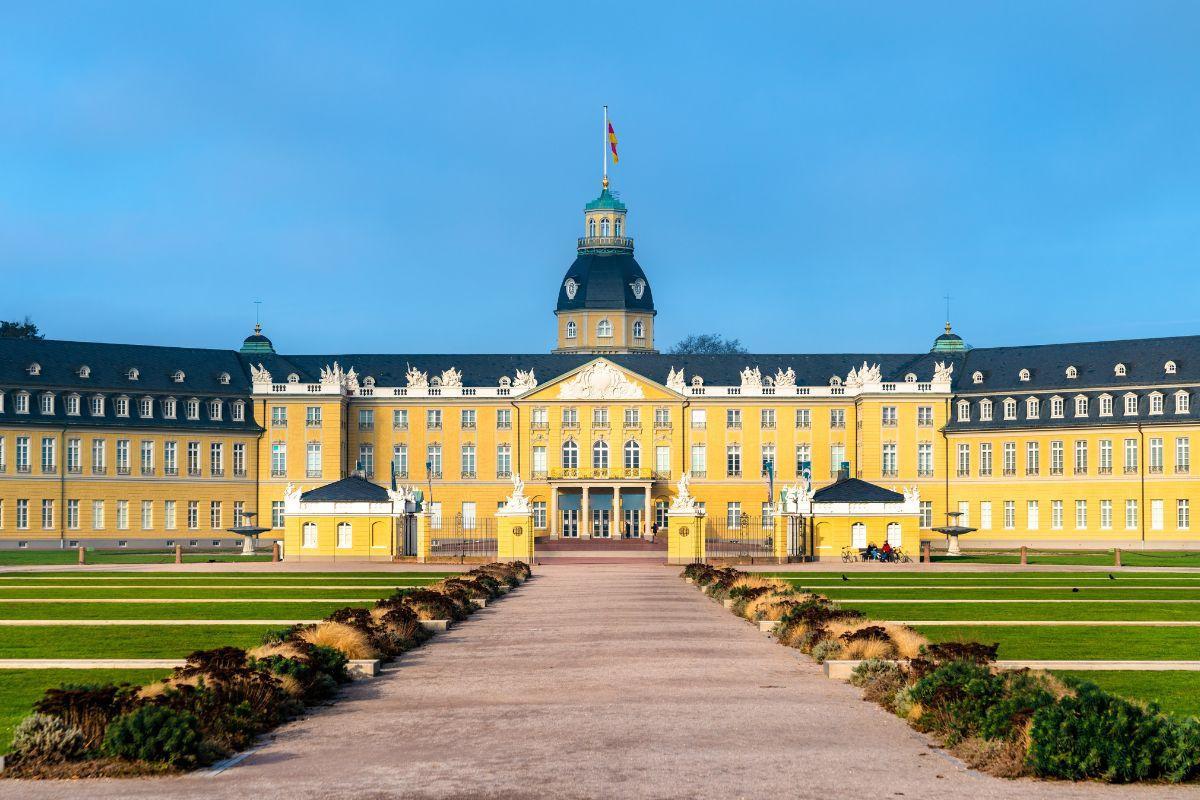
[[433, 419], [1010, 458], [767, 418], [540, 461], [400, 419], [48, 453], [888, 460], [278, 459], [570, 417], [837, 418], [170, 458], [1081, 456], [733, 418], [699, 461], [74, 455], [466, 419], [985, 515], [733, 461], [662, 461], [985, 459], [1131, 456], [925, 416], [345, 535], [539, 514], [1131, 515], [400, 460], [467, 461], [433, 461], [98, 515], [889, 416], [837, 458], [122, 515], [1183, 455], [1156, 455], [633, 418], [239, 513], [768, 459], [1031, 515], [193, 514], [924, 459], [1056, 514], [47, 515], [169, 514], [366, 459], [1010, 515], [122, 456], [1033, 458], [312, 417], [214, 515], [964, 513], [308, 535], [699, 416], [803, 459], [277, 516], [964, 460], [926, 509], [147, 515], [662, 417], [468, 514], [1183, 514], [733, 515], [1106, 515], [73, 514], [366, 419], [803, 418], [504, 461], [278, 416], [1156, 515], [22, 514], [1106, 457], [1056, 458], [193, 459], [312, 460], [503, 418], [1081, 515], [23, 454], [216, 459], [239, 459]]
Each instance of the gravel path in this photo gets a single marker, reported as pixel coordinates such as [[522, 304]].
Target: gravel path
[[597, 681]]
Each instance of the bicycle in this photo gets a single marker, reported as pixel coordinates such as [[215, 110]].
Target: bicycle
[[900, 557], [849, 555]]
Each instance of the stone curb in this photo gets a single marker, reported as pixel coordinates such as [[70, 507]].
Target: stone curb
[[435, 625]]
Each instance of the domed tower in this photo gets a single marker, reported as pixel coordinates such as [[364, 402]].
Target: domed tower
[[949, 342], [257, 343], [604, 302]]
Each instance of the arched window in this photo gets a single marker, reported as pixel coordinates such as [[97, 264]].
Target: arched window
[[633, 455], [592, 228], [639, 330], [617, 228], [858, 535], [1072, 372], [1023, 375], [1169, 367], [977, 377], [600, 455], [1032, 408], [1119, 370], [570, 455], [893, 534], [604, 329], [604, 227], [571, 329], [308, 536], [345, 538]]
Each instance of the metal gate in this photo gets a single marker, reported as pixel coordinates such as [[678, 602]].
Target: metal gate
[[740, 537], [408, 535], [462, 538]]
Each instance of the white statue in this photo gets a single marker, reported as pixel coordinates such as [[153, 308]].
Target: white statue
[[675, 380], [785, 378], [517, 502], [864, 375], [350, 380], [525, 381], [452, 378], [751, 379], [331, 377], [942, 371], [683, 502], [259, 375], [912, 495], [416, 379]]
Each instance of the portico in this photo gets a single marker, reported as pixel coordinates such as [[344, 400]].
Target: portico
[[599, 509]]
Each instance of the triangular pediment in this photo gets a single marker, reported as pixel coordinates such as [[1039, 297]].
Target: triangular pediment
[[601, 379]]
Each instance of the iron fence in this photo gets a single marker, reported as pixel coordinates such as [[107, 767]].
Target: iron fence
[[462, 538], [740, 537]]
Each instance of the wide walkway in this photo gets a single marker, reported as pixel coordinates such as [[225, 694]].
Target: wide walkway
[[596, 681]]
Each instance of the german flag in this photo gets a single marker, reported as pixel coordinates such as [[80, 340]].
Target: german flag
[[612, 142]]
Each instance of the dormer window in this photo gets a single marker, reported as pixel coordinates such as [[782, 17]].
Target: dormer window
[[238, 411], [34, 369], [571, 330], [1072, 373], [910, 378], [214, 409], [505, 382], [84, 372], [639, 330], [146, 408], [835, 381], [1183, 402], [47, 404], [604, 329], [293, 378], [964, 411], [21, 403], [976, 377], [1169, 368], [985, 410], [177, 376], [1032, 408], [1023, 376], [1131, 403], [1081, 406], [1156, 403], [1106, 405], [121, 406], [697, 381], [71, 405], [132, 374], [1056, 407], [369, 382], [193, 408], [97, 405], [1119, 370], [168, 408], [223, 379], [1010, 408]]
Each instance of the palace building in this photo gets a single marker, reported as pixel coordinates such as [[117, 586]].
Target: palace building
[[1072, 445]]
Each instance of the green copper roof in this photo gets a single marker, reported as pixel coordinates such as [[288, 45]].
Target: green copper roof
[[949, 342], [257, 343], [605, 201]]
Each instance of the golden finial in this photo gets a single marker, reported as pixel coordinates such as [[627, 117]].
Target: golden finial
[[947, 327], [604, 183]]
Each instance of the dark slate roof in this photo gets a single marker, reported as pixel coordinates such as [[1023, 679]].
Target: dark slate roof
[[348, 490], [1069, 418], [605, 282], [1144, 360], [853, 490]]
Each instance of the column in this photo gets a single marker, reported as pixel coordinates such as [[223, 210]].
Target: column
[[585, 515], [619, 521], [647, 513], [552, 518]]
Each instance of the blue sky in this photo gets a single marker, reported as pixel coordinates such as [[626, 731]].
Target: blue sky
[[410, 177]]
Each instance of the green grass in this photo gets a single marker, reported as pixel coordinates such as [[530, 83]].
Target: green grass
[[14, 558], [1032, 611], [123, 641], [74, 576], [1038, 578], [1076, 643], [1085, 594], [1177, 692], [21, 688], [1129, 558], [194, 593], [198, 610]]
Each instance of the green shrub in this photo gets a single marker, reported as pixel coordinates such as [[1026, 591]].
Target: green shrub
[[40, 737], [1097, 735], [826, 648], [871, 670], [88, 707], [154, 733], [956, 697], [331, 662], [1023, 695], [902, 701]]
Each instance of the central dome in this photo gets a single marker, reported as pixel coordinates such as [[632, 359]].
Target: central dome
[[605, 281]]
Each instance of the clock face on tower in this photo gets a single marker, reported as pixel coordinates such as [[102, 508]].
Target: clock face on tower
[[572, 288]]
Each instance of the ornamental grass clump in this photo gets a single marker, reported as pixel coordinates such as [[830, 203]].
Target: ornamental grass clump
[[346, 639], [89, 708], [43, 738]]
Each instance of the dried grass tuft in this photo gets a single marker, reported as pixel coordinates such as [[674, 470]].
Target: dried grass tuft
[[868, 648], [284, 649], [907, 641], [351, 642]]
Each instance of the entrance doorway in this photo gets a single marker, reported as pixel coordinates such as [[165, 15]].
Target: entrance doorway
[[632, 527], [570, 523], [601, 523]]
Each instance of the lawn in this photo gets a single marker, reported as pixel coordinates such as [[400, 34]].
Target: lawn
[[1076, 643], [123, 641], [15, 558], [21, 688], [1033, 611], [198, 610], [200, 578], [1129, 558], [9, 594], [1175, 691]]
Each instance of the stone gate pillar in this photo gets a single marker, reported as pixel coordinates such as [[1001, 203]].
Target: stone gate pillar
[[685, 537], [424, 523], [514, 536]]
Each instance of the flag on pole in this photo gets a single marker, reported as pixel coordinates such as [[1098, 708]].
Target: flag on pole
[[612, 141]]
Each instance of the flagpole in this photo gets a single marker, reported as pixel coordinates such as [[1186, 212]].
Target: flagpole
[[604, 149]]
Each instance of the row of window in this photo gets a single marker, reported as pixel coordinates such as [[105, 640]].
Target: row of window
[[124, 452], [1082, 511], [603, 227], [73, 405], [1130, 457], [1156, 403], [121, 511], [1072, 372], [133, 373], [604, 329]]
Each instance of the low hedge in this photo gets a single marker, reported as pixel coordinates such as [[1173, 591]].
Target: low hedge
[[221, 700]]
